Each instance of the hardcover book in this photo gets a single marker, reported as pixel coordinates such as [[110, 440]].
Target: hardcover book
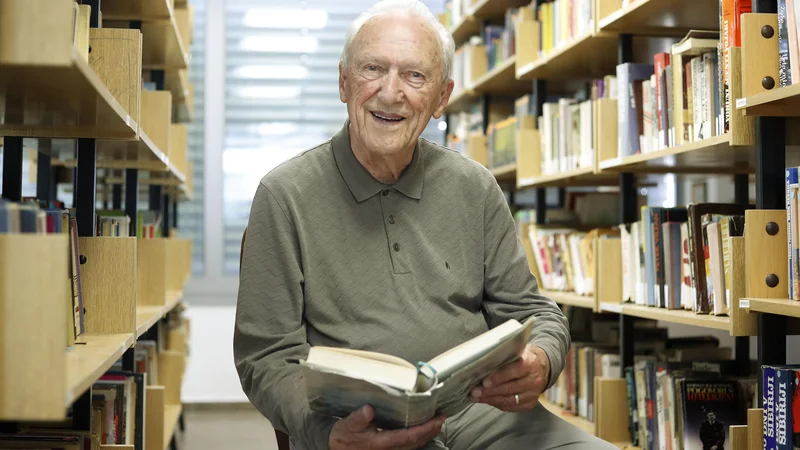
[[340, 381], [709, 408]]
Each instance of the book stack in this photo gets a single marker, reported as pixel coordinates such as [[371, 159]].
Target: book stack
[[562, 21], [680, 258], [115, 398], [501, 138]]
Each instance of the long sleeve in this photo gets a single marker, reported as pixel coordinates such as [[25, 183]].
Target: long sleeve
[[270, 329], [511, 291]]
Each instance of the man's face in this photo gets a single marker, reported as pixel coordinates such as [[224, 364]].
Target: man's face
[[393, 83], [712, 417]]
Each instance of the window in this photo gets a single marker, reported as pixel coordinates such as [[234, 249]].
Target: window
[[282, 93]]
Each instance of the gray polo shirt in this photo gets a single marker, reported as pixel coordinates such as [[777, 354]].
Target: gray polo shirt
[[334, 257]]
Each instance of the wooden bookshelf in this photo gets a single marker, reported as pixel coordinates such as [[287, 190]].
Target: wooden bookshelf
[[172, 414], [584, 424], [461, 100], [145, 10], [505, 173], [713, 155], [782, 102], [669, 315], [501, 80], [61, 101], [661, 17], [570, 298], [88, 362], [779, 306], [592, 55], [578, 177]]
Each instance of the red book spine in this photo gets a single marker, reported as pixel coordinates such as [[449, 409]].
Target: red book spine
[[660, 61]]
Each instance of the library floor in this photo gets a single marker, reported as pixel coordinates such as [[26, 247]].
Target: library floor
[[240, 429]]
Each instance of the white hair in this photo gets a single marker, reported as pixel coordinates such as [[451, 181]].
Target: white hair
[[413, 8]]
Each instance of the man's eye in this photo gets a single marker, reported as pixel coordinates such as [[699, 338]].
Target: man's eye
[[417, 75], [372, 68]]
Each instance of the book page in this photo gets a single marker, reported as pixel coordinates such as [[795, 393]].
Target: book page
[[373, 367]]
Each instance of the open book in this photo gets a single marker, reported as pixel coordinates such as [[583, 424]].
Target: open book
[[340, 381]]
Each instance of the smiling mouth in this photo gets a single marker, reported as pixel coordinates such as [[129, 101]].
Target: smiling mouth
[[387, 118]]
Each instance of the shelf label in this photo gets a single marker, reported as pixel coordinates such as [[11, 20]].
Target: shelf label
[[741, 102], [744, 303]]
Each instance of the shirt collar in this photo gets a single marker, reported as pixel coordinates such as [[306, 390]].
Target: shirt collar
[[363, 185]]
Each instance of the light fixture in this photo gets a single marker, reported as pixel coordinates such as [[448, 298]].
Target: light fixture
[[282, 44], [442, 125], [286, 18], [270, 92], [272, 72]]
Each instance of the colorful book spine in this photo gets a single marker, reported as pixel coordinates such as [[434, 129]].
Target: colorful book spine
[[783, 411], [791, 180], [660, 63], [784, 66], [794, 266], [730, 36], [633, 423], [768, 373]]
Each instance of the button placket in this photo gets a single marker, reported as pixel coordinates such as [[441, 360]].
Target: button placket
[[395, 247]]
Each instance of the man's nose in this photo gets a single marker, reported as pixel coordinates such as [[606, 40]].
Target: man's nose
[[390, 89]]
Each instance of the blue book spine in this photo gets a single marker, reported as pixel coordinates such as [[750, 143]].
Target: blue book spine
[[791, 178], [783, 409], [784, 63], [769, 407]]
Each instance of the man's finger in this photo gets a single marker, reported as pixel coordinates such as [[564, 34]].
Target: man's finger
[[512, 387], [410, 438], [510, 372], [508, 402], [360, 420]]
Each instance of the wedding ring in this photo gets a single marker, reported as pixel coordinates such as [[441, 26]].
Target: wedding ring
[[516, 398]]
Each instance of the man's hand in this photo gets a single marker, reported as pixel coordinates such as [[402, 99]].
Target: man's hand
[[523, 380], [356, 432]]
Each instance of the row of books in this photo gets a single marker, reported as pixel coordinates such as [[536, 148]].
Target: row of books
[[680, 258], [562, 21], [501, 139], [686, 405], [565, 257], [793, 231], [455, 11], [566, 129]]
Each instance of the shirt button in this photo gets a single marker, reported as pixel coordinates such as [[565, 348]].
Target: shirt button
[[391, 220], [385, 192], [396, 247]]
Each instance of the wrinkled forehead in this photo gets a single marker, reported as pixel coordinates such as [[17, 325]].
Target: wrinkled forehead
[[397, 35]]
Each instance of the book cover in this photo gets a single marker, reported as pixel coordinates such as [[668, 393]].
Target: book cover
[[660, 63], [794, 258], [673, 284], [710, 76], [709, 408], [77, 292], [784, 65], [732, 227], [784, 391], [629, 104]]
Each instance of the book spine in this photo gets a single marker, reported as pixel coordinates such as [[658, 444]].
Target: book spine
[[709, 288], [633, 422], [660, 62], [658, 257], [661, 412], [795, 254], [642, 408], [769, 407], [652, 420], [699, 302], [784, 66], [782, 410], [649, 262], [791, 180], [726, 259]]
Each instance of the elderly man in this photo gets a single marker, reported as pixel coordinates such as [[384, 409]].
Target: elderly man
[[379, 240]]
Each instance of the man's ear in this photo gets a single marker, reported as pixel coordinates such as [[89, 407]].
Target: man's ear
[[444, 98], [342, 90]]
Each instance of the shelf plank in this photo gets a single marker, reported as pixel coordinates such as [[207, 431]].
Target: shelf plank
[[584, 424], [501, 80], [145, 10], [713, 155], [147, 316], [65, 101], [781, 102], [171, 415], [578, 177], [162, 46], [779, 306], [468, 26], [461, 100], [670, 315], [592, 55], [659, 17], [494, 9], [88, 362], [505, 173], [570, 298]]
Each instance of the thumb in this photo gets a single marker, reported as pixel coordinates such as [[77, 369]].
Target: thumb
[[360, 420]]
